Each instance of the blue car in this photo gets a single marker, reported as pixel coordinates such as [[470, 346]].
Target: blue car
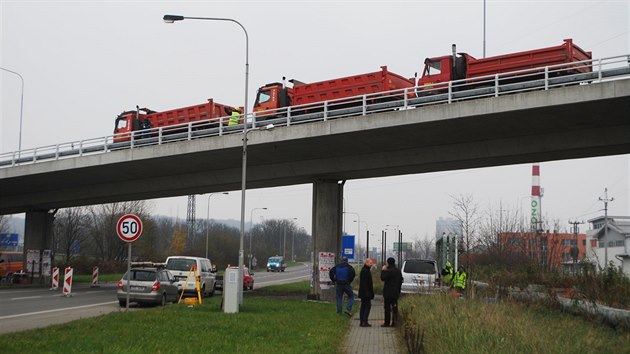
[[276, 264]]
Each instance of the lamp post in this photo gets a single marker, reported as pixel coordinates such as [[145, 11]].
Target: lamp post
[[359, 232], [21, 107], [284, 240], [208, 219], [173, 18], [367, 237], [251, 225], [399, 243]]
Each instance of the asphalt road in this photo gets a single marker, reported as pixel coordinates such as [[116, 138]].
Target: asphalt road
[[29, 308]]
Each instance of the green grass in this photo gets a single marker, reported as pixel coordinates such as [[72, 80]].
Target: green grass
[[267, 324], [294, 288], [453, 325]]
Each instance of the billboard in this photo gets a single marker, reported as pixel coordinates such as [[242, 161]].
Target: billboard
[[8, 240]]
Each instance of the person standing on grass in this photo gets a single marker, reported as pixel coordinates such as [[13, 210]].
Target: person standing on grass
[[342, 275], [391, 291], [366, 292], [459, 281]]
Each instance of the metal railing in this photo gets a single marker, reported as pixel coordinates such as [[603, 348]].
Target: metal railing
[[541, 78]]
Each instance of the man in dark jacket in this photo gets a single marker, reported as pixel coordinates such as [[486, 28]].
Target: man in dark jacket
[[342, 275], [391, 291], [366, 292]]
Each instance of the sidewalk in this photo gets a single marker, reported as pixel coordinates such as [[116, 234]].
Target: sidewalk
[[375, 339]]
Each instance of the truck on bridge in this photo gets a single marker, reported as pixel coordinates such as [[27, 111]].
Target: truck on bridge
[[462, 66], [129, 122]]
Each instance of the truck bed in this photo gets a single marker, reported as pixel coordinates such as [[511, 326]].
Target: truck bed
[[562, 54], [190, 114], [350, 86]]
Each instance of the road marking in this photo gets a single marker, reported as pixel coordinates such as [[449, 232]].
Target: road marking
[[57, 310], [25, 297]]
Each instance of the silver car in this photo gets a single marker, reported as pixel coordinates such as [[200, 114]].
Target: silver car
[[420, 276], [148, 285]]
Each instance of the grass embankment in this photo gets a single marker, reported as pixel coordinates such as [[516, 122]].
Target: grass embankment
[[453, 325], [265, 324]]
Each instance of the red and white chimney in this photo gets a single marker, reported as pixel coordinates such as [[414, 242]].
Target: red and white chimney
[[536, 221]]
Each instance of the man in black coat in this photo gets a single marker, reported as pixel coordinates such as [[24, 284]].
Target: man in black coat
[[366, 292], [391, 291]]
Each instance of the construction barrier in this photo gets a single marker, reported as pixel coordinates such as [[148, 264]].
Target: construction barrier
[[94, 277], [55, 279], [67, 282]]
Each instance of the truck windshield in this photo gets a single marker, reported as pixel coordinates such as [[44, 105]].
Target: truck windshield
[[121, 123], [264, 96], [432, 67]]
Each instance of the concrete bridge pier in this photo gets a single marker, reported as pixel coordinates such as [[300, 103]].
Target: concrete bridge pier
[[327, 230], [38, 236]]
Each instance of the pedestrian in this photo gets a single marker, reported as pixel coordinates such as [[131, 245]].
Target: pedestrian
[[391, 291], [342, 275], [459, 281], [235, 117], [447, 274], [366, 292]]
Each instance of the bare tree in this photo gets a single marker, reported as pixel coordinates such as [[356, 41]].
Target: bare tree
[[103, 227], [70, 232], [424, 248], [466, 211]]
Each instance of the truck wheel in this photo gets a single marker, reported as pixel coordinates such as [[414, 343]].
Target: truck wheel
[[214, 288], [203, 291]]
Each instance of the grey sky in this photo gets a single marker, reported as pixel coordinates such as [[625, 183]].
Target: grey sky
[[84, 62]]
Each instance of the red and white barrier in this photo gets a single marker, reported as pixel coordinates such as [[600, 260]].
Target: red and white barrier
[[67, 282], [55, 279], [94, 277]]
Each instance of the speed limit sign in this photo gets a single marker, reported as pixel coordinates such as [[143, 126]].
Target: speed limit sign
[[129, 227]]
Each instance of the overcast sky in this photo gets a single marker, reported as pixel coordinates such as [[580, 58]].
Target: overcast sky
[[83, 62]]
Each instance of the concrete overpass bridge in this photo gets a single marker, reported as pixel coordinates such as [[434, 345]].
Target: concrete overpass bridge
[[446, 131]]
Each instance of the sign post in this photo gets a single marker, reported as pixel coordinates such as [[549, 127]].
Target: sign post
[[129, 228]]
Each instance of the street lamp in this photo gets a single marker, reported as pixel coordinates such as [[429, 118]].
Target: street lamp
[[397, 235], [284, 240], [21, 108], [251, 225], [367, 237], [173, 18], [208, 219]]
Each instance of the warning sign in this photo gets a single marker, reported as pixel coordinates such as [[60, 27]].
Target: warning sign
[[326, 262]]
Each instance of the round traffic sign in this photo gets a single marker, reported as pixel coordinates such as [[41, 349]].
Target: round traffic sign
[[129, 227]]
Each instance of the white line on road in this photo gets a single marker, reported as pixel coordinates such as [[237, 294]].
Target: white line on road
[[25, 297], [57, 310]]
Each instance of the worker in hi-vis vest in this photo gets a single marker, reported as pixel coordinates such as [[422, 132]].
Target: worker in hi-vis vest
[[234, 118], [459, 280]]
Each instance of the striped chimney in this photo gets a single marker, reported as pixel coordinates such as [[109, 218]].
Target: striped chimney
[[535, 204]]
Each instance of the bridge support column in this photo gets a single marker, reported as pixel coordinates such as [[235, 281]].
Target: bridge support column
[[327, 230], [38, 233]]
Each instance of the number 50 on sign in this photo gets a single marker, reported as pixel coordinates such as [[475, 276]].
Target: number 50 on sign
[[129, 227]]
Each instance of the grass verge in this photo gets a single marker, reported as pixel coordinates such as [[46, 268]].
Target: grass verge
[[265, 324], [453, 325]]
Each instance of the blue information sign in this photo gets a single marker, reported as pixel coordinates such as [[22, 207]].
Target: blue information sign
[[8, 240], [347, 246]]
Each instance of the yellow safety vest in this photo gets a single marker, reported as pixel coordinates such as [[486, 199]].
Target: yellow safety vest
[[234, 118], [459, 280]]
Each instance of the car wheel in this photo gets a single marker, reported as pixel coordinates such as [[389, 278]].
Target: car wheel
[[203, 291], [122, 303], [214, 288], [163, 300]]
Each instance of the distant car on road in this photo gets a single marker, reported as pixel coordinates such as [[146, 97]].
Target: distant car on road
[[149, 284], [419, 276], [276, 264]]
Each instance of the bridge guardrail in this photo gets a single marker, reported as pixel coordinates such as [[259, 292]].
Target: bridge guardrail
[[545, 78]]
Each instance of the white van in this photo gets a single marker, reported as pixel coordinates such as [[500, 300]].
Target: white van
[[420, 276], [180, 267]]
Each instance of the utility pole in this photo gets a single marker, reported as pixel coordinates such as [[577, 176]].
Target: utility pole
[[606, 200], [575, 249]]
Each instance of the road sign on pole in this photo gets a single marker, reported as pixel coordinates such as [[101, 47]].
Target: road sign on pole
[[129, 227]]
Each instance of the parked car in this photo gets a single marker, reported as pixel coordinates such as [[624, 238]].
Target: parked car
[[248, 279], [181, 267], [148, 285], [419, 276], [276, 264]]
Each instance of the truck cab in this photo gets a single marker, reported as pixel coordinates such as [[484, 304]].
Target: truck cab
[[276, 264], [272, 97], [129, 121]]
